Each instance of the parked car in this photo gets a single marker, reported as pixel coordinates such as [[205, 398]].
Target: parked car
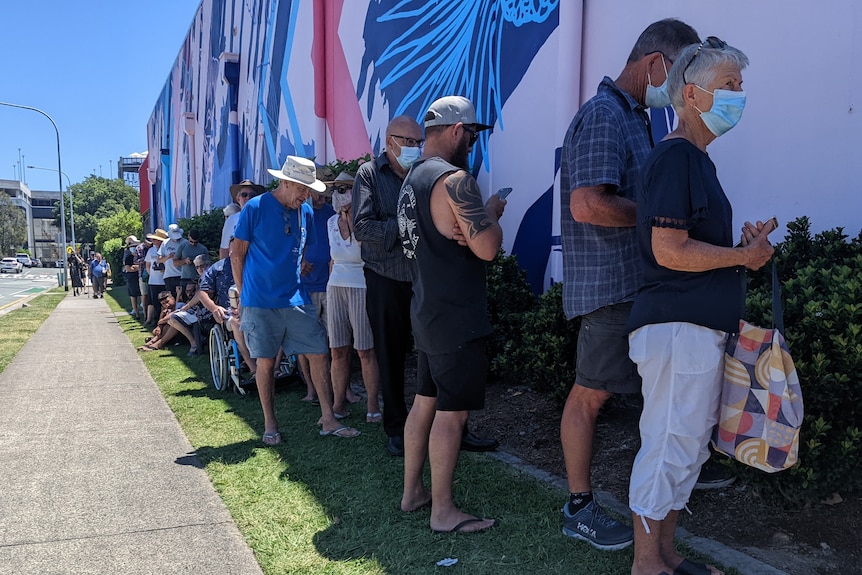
[[11, 265], [60, 264], [37, 263], [24, 259]]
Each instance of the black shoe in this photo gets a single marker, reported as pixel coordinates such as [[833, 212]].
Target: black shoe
[[472, 442], [395, 445], [714, 475]]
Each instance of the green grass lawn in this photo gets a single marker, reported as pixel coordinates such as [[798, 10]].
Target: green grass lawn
[[326, 505], [18, 325]]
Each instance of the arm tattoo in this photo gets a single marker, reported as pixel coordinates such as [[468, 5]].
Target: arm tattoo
[[465, 194]]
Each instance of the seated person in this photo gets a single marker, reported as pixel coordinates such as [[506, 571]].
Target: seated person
[[190, 318], [215, 282], [163, 333]]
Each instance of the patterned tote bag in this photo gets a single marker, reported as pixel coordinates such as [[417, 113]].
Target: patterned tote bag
[[761, 400]]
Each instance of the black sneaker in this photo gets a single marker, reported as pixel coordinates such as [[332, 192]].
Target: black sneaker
[[593, 525], [714, 475]]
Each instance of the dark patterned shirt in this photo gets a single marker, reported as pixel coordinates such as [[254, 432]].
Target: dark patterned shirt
[[607, 142], [218, 278], [375, 205]]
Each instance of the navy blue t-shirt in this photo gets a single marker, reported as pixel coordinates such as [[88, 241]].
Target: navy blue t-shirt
[[679, 189]]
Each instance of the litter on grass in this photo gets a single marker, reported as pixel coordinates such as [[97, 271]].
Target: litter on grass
[[448, 562]]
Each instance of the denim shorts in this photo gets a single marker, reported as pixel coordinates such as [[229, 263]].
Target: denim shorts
[[603, 361], [295, 329]]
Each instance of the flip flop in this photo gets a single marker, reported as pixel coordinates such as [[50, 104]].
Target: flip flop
[[342, 431], [337, 415], [148, 348], [376, 417], [271, 438], [459, 528], [691, 568]]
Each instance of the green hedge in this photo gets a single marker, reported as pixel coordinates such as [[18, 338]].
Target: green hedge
[[534, 345]]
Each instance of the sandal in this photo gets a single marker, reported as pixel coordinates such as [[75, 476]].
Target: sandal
[[273, 438], [149, 347], [376, 417]]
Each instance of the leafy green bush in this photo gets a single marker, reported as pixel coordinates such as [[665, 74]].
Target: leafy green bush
[[532, 343], [821, 279], [112, 252]]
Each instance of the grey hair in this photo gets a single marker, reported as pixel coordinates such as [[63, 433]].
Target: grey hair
[[702, 71], [202, 260], [668, 36], [231, 209]]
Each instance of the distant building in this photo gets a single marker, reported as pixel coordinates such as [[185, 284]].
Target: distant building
[[38, 207]]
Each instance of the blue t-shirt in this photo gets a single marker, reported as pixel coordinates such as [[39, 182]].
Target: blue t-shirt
[[317, 253], [277, 237]]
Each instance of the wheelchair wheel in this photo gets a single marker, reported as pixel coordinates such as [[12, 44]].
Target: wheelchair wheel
[[235, 367], [219, 358]]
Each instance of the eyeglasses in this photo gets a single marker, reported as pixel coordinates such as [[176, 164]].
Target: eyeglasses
[[474, 134], [201, 267], [244, 194], [711, 41], [286, 218], [342, 189], [411, 142]]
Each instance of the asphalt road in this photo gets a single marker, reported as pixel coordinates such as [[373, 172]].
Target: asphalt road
[[15, 288]]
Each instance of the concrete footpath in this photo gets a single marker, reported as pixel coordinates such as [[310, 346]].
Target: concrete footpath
[[96, 476]]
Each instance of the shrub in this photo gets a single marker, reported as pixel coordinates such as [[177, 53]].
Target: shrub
[[509, 298], [822, 295], [112, 252]]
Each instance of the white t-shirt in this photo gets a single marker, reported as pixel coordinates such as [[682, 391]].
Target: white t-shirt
[[169, 248], [346, 258], [157, 277], [227, 230]]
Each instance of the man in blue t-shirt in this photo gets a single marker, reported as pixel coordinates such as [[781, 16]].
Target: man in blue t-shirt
[[275, 310]]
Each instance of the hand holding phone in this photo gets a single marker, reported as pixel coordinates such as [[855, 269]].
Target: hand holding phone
[[503, 192], [769, 226]]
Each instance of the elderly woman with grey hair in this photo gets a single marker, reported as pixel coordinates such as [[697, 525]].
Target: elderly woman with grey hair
[[691, 298]]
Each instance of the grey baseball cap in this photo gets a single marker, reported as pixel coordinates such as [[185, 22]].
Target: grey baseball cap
[[450, 110]]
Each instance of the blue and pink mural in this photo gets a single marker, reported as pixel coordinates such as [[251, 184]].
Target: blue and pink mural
[[257, 80]]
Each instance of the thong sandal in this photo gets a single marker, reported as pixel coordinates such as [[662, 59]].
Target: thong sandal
[[691, 568], [271, 438], [375, 417], [460, 527], [148, 347], [343, 431]]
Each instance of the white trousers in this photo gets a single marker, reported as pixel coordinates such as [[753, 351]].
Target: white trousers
[[682, 367]]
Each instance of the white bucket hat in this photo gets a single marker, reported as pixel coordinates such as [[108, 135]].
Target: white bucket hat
[[301, 171], [175, 232]]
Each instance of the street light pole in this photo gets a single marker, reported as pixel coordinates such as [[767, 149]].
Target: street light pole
[[60, 178], [71, 203]]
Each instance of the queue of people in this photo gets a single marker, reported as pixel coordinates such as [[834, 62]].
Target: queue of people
[[650, 268]]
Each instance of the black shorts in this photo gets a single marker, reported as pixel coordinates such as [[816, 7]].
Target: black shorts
[[154, 290], [603, 361], [132, 284], [171, 284], [456, 379]]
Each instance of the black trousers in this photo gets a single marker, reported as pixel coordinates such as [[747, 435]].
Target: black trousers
[[387, 302]]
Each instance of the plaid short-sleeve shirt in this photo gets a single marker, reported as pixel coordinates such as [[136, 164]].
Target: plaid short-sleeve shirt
[[607, 142]]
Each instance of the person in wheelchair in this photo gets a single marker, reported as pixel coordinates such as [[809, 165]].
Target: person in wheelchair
[[215, 283]]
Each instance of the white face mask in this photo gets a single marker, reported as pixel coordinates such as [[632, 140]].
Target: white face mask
[[408, 156], [657, 97]]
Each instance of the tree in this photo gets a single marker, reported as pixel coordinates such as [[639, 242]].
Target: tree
[[94, 199], [117, 226], [13, 226]]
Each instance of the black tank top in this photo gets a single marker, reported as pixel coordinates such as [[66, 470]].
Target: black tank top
[[449, 306]]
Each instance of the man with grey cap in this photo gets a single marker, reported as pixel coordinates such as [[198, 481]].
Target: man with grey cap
[[275, 310], [449, 308]]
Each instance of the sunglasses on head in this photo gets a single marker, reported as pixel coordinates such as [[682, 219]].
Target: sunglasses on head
[[711, 42]]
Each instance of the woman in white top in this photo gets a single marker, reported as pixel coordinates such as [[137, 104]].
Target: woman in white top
[[346, 318]]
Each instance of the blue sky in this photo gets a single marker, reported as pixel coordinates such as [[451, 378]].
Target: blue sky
[[96, 67]]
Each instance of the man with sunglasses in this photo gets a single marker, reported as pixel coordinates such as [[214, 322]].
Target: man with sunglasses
[[241, 193], [604, 150], [438, 196], [275, 309], [187, 251]]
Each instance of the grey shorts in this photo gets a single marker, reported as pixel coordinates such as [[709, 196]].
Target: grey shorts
[[603, 361], [295, 329], [348, 320]]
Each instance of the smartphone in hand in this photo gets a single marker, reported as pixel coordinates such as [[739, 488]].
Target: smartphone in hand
[[503, 192], [769, 226]]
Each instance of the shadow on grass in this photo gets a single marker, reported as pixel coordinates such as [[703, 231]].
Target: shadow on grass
[[357, 485]]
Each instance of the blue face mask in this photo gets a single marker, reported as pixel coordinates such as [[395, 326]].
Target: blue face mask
[[726, 110], [657, 97], [408, 156]]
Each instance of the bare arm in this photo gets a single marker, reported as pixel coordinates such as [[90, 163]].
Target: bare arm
[[237, 261], [601, 206], [478, 221], [675, 250]]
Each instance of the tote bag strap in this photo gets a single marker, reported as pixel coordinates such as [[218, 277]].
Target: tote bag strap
[[777, 308]]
